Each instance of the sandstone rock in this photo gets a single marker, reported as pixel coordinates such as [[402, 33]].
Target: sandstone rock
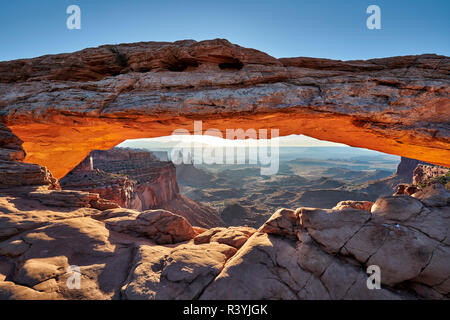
[[103, 259], [276, 260], [332, 228], [97, 97], [10, 291], [405, 189], [397, 208], [303, 254], [136, 179], [424, 173], [306, 254], [66, 198], [437, 271], [38, 270], [406, 169], [241, 279], [282, 222], [24, 174], [199, 230], [103, 204], [113, 187], [433, 222], [161, 273], [434, 195], [195, 213], [232, 236], [20, 213], [359, 205], [402, 178], [11, 155], [403, 256], [160, 225]]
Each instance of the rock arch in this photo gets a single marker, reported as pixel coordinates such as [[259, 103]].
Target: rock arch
[[63, 106]]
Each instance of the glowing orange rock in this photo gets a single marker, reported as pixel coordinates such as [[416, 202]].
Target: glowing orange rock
[[67, 105]]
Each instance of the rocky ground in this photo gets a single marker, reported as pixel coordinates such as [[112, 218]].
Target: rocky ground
[[306, 253]]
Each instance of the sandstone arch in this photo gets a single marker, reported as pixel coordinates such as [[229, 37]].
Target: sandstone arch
[[63, 106]]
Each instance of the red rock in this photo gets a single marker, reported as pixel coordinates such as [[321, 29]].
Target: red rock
[[136, 179], [97, 97], [359, 205], [423, 174]]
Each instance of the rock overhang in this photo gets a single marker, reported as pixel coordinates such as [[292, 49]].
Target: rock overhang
[[64, 106]]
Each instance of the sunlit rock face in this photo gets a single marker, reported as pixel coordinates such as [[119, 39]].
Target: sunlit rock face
[[137, 179], [133, 179], [63, 106]]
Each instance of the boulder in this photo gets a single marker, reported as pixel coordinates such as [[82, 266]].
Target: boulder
[[433, 195], [160, 225], [232, 236], [359, 205], [396, 208]]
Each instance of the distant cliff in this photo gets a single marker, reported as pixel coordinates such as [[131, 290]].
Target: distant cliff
[[137, 179]]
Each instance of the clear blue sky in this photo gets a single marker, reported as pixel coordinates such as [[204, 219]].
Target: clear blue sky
[[316, 28]]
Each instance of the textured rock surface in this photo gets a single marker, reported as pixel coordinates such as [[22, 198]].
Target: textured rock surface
[[435, 195], [136, 179], [159, 225], [15, 173], [306, 253], [424, 173], [360, 205], [328, 257], [98, 97], [403, 175]]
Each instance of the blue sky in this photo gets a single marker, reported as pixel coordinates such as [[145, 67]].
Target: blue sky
[[320, 28]]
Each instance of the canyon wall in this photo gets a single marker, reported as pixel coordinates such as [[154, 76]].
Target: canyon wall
[[137, 179], [63, 106]]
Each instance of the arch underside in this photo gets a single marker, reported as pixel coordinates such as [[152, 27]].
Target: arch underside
[[61, 144]]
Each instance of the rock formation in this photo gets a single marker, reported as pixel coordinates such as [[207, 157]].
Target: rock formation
[[63, 106], [94, 98], [424, 174], [305, 253], [403, 176], [136, 179]]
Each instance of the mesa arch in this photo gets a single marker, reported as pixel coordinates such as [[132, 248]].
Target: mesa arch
[[63, 106]]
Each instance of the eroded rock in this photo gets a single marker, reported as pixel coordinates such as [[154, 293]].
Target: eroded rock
[[97, 97], [160, 225]]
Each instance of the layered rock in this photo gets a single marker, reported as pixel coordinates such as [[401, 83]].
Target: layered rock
[[15, 173], [403, 176], [33, 181], [428, 181], [424, 174], [97, 97], [136, 179]]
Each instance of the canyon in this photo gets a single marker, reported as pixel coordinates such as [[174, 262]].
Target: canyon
[[136, 179], [56, 109]]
